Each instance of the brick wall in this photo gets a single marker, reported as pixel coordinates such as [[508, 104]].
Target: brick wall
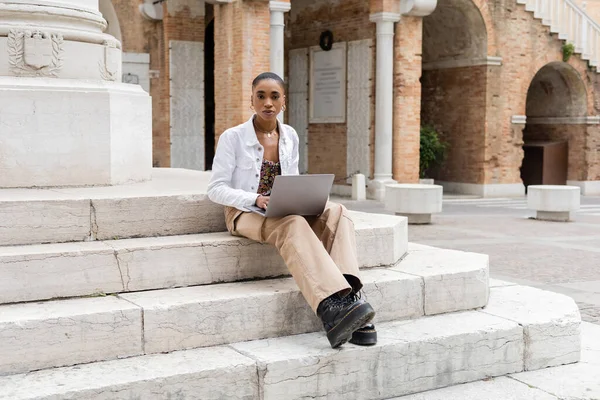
[[454, 102], [349, 21], [242, 46], [474, 106], [241, 53], [525, 46], [407, 99], [592, 154]]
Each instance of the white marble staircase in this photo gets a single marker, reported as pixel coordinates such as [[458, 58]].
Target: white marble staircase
[[140, 295], [571, 23]]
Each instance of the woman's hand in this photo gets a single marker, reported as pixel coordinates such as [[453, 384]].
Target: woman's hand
[[262, 201]]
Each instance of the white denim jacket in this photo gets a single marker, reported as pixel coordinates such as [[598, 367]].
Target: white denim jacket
[[238, 161]]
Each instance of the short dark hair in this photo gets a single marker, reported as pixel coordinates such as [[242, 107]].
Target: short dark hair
[[268, 75]]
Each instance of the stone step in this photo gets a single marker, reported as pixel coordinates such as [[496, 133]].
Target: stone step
[[412, 356], [66, 332], [47, 271], [203, 374], [174, 202]]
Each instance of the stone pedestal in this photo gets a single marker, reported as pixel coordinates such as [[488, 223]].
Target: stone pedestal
[[415, 201], [553, 202], [66, 118]]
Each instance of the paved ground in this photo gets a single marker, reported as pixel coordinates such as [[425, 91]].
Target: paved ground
[[561, 257]]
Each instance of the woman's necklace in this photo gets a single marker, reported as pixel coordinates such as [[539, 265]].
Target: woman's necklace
[[268, 133]]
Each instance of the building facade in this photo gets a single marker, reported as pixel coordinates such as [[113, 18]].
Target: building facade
[[491, 76]]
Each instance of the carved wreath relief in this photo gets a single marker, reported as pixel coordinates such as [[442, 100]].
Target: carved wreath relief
[[110, 67], [35, 53]]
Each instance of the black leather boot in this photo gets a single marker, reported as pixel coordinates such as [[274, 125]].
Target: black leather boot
[[341, 317], [365, 335]]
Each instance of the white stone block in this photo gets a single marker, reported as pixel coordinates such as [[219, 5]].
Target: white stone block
[[551, 323], [119, 217], [73, 132], [174, 202], [359, 187], [59, 333], [415, 201], [79, 269], [40, 272], [28, 218], [381, 240], [411, 356], [553, 202], [454, 280], [174, 261], [202, 316], [207, 374], [162, 262]]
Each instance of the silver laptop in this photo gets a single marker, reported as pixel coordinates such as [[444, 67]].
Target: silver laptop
[[297, 195]]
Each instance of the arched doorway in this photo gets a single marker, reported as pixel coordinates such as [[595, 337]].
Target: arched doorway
[[454, 79], [554, 135], [209, 94]]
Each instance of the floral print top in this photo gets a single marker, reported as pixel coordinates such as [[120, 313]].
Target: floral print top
[[268, 172]]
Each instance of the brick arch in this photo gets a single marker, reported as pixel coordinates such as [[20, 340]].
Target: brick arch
[[484, 10], [557, 90], [576, 69], [457, 37], [456, 30]]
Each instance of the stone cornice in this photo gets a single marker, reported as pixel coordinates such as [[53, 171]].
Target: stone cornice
[[447, 64], [583, 120], [591, 120], [417, 8], [384, 17], [281, 6], [519, 119]]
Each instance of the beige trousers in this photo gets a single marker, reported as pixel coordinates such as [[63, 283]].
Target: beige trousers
[[320, 252]]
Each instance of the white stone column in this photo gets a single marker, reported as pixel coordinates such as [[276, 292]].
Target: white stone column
[[67, 120], [384, 103], [277, 54]]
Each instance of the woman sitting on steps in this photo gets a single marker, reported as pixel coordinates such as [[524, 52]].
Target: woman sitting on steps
[[320, 251]]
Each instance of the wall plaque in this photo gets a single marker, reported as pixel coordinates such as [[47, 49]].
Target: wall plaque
[[327, 94]]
